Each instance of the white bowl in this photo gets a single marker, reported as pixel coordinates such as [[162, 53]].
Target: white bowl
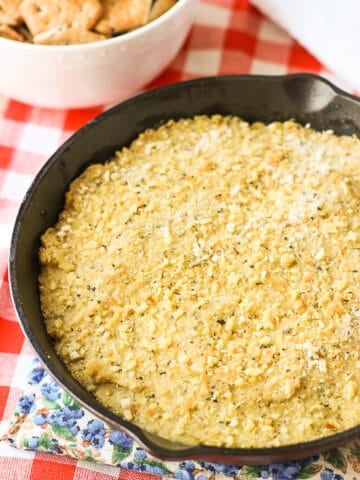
[[84, 75]]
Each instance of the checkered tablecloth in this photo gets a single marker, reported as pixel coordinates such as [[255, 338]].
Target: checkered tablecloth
[[229, 36]]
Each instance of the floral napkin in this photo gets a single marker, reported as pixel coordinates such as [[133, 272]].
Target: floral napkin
[[47, 419]]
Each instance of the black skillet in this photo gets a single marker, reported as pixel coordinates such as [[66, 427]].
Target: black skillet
[[303, 97]]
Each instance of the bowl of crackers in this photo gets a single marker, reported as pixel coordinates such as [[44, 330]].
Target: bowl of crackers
[[72, 54]]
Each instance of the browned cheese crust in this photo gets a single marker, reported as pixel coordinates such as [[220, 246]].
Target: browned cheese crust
[[204, 283]]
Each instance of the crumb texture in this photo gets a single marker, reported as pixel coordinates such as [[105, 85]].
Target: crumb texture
[[205, 282], [71, 22]]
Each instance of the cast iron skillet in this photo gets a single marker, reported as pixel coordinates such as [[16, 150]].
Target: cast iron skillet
[[305, 98]]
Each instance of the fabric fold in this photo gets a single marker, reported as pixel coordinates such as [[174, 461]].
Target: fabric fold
[[330, 30]]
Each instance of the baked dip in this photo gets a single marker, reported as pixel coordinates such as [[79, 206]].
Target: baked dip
[[204, 283]]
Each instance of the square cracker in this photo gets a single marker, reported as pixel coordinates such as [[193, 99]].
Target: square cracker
[[10, 12], [122, 15], [67, 36], [44, 15], [159, 7]]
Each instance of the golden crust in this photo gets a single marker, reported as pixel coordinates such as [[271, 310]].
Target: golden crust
[[44, 15], [210, 274], [159, 7], [10, 33], [67, 36], [123, 15], [10, 12], [68, 22]]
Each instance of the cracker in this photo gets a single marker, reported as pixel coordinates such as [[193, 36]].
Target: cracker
[[44, 15], [10, 33], [122, 15], [23, 30], [67, 36], [10, 12], [159, 7]]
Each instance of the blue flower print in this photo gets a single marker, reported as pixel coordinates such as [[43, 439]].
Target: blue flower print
[[140, 454], [287, 470], [36, 375], [97, 440], [51, 417], [54, 446], [230, 470], [129, 465], [64, 420], [185, 471], [64, 417], [26, 404], [183, 474], [328, 474], [188, 465], [72, 412], [33, 442], [51, 391], [40, 419], [94, 433], [120, 438]]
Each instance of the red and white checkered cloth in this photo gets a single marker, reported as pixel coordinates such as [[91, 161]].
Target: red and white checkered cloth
[[229, 36]]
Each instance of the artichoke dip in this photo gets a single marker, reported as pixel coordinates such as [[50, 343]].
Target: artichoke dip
[[204, 283]]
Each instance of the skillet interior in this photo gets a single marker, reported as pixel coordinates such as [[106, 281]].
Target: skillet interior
[[303, 97]]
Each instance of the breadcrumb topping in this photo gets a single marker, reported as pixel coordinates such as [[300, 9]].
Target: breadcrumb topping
[[205, 283]]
